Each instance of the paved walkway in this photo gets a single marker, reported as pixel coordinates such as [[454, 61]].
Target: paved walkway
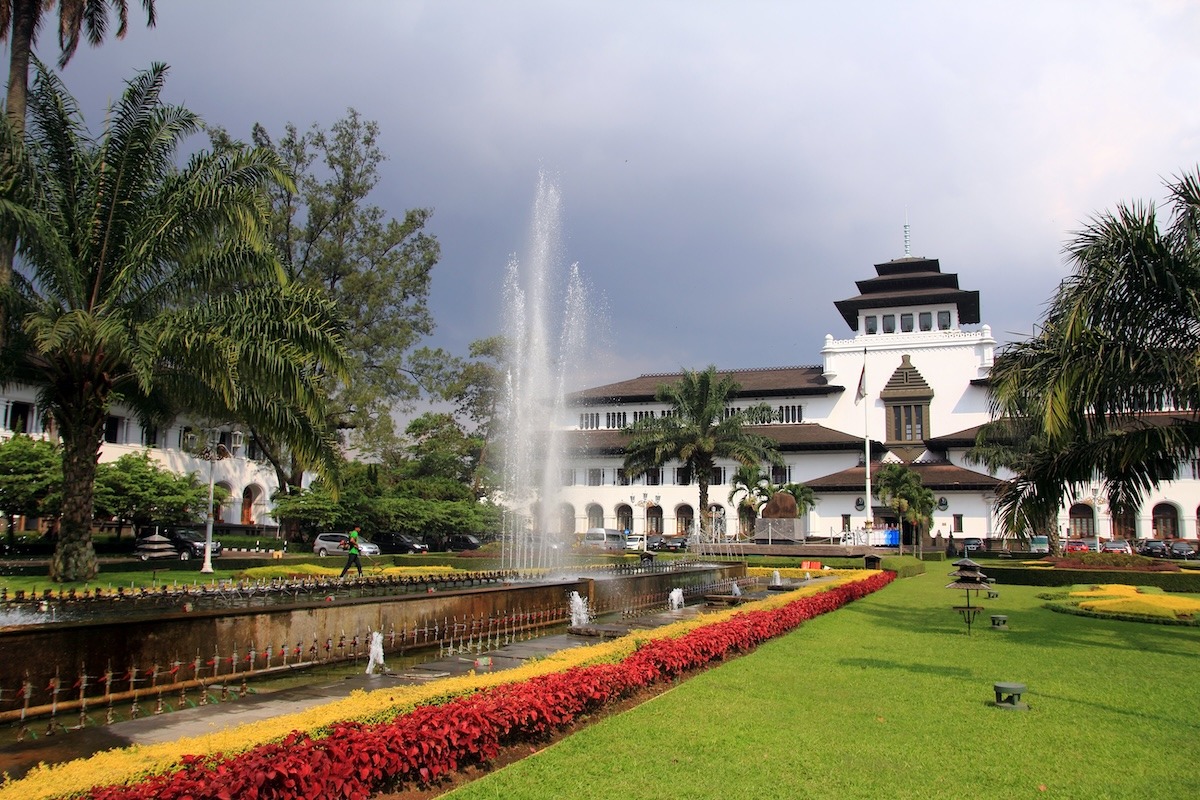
[[16, 759]]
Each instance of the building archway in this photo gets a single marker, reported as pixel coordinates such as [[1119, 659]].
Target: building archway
[[1166, 521], [654, 519], [684, 519], [595, 515], [1082, 522], [220, 508], [625, 517]]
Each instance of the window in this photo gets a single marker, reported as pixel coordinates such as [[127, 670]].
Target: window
[[871, 323], [615, 419], [19, 417], [150, 437], [908, 423], [717, 478], [568, 477], [112, 430], [906, 323], [589, 421], [845, 523], [781, 474], [682, 478], [925, 320], [889, 323], [622, 480], [731, 410], [640, 415], [595, 477], [943, 320], [956, 523], [790, 415], [654, 476]]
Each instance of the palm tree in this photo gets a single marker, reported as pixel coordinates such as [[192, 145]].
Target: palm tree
[[804, 496], [900, 489], [1118, 345], [150, 284], [697, 429], [753, 486]]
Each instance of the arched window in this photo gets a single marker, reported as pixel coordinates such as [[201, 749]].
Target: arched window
[[1166, 521], [1124, 525], [1083, 521], [595, 515], [684, 516], [625, 517], [654, 519]]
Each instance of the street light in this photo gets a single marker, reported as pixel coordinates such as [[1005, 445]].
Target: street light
[[213, 452], [646, 503]]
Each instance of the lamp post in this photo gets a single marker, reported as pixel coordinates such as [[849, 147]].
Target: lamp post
[[213, 452], [646, 504]]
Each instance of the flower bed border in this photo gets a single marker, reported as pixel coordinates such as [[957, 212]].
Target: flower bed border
[[356, 759]]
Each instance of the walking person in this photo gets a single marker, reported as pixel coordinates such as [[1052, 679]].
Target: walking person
[[352, 556]]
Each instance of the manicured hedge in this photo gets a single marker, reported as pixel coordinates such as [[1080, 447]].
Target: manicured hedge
[[1016, 575]]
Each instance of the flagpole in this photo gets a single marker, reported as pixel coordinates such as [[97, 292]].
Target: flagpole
[[867, 443]]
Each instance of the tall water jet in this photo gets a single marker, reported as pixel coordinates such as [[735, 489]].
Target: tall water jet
[[545, 322]]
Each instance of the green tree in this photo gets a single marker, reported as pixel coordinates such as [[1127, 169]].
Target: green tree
[[900, 489], [749, 494], [375, 269], [698, 428], [30, 472], [440, 447], [151, 284], [1117, 347], [137, 490], [475, 387]]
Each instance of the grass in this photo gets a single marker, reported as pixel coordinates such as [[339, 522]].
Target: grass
[[889, 698]]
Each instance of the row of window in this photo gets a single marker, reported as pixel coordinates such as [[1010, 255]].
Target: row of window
[[615, 420], [924, 321], [598, 476]]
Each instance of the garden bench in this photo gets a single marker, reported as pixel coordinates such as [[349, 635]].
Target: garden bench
[[1000, 621], [1008, 695]]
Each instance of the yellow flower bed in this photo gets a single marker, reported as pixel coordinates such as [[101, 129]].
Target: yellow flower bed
[[130, 763], [317, 570], [1119, 598]]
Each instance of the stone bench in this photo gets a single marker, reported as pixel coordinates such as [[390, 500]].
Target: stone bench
[[1000, 621], [1008, 695]]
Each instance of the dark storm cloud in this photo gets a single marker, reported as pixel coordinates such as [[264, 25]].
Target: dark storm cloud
[[727, 170]]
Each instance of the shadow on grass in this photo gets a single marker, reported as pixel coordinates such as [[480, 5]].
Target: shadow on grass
[[938, 670]]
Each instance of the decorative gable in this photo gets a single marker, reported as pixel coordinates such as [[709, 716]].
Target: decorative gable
[[906, 383]]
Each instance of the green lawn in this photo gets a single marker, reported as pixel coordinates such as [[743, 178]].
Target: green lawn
[[889, 698]]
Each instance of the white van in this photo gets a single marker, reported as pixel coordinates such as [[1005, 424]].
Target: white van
[[603, 539], [1039, 544]]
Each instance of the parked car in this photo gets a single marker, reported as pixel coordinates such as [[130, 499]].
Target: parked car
[[972, 544], [1039, 544], [673, 544], [1155, 548], [1183, 549], [396, 542], [635, 541], [181, 543], [462, 541], [1117, 546], [335, 543], [1075, 546], [654, 541]]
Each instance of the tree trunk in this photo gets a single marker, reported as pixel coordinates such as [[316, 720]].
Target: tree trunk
[[74, 556], [704, 515]]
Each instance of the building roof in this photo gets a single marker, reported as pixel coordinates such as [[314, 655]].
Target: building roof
[[906, 282], [940, 476], [764, 382], [803, 436]]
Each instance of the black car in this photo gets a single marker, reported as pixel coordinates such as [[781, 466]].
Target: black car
[[1155, 548], [462, 541], [673, 544], [1182, 549], [396, 542], [186, 543]]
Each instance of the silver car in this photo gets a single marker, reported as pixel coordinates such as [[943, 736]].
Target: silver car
[[336, 543]]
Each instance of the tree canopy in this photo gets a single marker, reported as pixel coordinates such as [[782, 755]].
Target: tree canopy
[[152, 284]]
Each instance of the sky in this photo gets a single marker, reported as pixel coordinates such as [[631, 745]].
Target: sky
[[727, 170]]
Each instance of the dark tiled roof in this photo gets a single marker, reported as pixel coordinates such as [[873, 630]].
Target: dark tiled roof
[[755, 383], [939, 476], [909, 281], [805, 436], [966, 437]]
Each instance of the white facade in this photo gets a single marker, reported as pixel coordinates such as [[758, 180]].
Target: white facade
[[249, 481], [922, 357]]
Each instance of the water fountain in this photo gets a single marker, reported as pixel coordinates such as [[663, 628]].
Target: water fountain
[[775, 581], [675, 599], [544, 356], [580, 616]]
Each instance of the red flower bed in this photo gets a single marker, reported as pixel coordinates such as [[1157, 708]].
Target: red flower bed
[[357, 760]]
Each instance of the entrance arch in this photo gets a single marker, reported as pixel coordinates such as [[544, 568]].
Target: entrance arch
[[1166, 521], [1082, 521]]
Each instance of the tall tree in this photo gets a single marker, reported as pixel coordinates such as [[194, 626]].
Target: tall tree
[[698, 428], [1117, 348], [374, 268], [151, 284], [750, 491], [899, 488], [474, 385], [30, 471]]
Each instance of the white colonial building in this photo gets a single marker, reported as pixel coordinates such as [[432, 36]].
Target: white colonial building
[[249, 480], [910, 380]]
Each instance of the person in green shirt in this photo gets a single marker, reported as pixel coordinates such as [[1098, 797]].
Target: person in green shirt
[[352, 556]]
